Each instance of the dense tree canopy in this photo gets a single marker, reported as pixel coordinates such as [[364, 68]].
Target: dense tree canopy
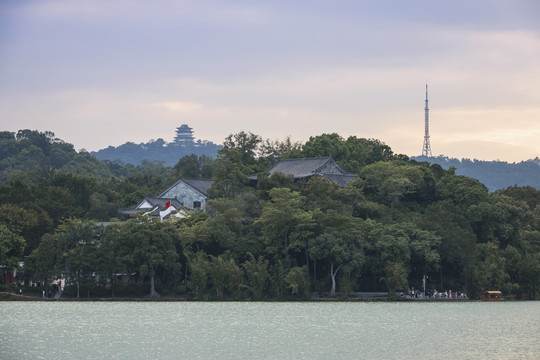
[[156, 150], [400, 222]]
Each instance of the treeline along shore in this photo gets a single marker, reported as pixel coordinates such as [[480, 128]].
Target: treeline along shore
[[396, 225]]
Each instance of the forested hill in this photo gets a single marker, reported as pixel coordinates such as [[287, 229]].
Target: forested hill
[[29, 155], [155, 150], [495, 175], [400, 222]]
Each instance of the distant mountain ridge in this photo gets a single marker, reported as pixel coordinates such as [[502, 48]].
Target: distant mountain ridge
[[495, 175], [156, 150]]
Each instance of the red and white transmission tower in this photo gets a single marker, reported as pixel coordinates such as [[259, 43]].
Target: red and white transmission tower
[[426, 151]]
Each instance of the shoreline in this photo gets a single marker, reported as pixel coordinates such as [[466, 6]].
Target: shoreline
[[6, 296]]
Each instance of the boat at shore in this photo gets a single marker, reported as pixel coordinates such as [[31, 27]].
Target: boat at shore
[[492, 296]]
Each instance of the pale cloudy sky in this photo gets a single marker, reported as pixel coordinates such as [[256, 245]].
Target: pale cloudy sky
[[104, 72]]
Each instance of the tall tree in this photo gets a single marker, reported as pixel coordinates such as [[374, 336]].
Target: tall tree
[[246, 143], [406, 245], [78, 243], [281, 218], [457, 245], [230, 174], [256, 270], [387, 182], [273, 150], [45, 260], [340, 250], [108, 262], [200, 271], [194, 166], [149, 247], [298, 280], [11, 249], [225, 274]]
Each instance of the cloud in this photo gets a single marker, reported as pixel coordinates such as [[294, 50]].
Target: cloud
[[137, 12], [180, 106], [274, 68]]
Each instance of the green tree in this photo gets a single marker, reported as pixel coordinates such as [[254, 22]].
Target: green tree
[[326, 145], [457, 245], [388, 183], [340, 250], [149, 247], [200, 272], [230, 174], [247, 144], [495, 219], [463, 191], [214, 235], [487, 272], [400, 248], [395, 277], [22, 221], [78, 243], [11, 249], [108, 258], [256, 271], [298, 280], [225, 274], [45, 259], [194, 166], [273, 150], [322, 193], [529, 275], [351, 154], [281, 218], [235, 282], [529, 266], [276, 180]]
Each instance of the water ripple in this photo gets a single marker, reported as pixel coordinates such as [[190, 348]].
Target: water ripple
[[228, 330]]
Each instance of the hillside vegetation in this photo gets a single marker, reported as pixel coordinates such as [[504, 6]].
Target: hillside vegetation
[[400, 221], [155, 150], [495, 175]]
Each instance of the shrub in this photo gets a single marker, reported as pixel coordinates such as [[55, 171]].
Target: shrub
[[180, 289], [132, 290], [70, 291]]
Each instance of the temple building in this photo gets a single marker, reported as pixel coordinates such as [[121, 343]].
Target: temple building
[[184, 135], [304, 169]]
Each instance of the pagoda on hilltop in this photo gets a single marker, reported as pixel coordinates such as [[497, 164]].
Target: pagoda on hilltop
[[184, 135]]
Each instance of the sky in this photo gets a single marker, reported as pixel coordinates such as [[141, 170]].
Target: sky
[[105, 72]]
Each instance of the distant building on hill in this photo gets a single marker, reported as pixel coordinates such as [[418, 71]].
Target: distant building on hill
[[190, 192], [159, 150], [185, 194], [184, 135]]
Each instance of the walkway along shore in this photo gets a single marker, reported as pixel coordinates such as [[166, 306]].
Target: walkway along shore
[[7, 296]]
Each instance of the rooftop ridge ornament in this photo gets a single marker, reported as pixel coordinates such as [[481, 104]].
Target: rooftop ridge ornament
[[426, 150]]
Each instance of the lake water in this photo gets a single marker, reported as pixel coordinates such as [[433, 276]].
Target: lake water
[[266, 330]]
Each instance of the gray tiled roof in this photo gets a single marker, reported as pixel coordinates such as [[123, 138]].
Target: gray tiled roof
[[201, 185], [341, 179], [305, 167]]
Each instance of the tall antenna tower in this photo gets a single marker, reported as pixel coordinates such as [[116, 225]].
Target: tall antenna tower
[[426, 151]]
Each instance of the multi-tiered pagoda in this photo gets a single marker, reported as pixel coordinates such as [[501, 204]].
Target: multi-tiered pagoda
[[184, 135]]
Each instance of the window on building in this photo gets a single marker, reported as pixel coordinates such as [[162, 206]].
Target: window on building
[[196, 204]]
